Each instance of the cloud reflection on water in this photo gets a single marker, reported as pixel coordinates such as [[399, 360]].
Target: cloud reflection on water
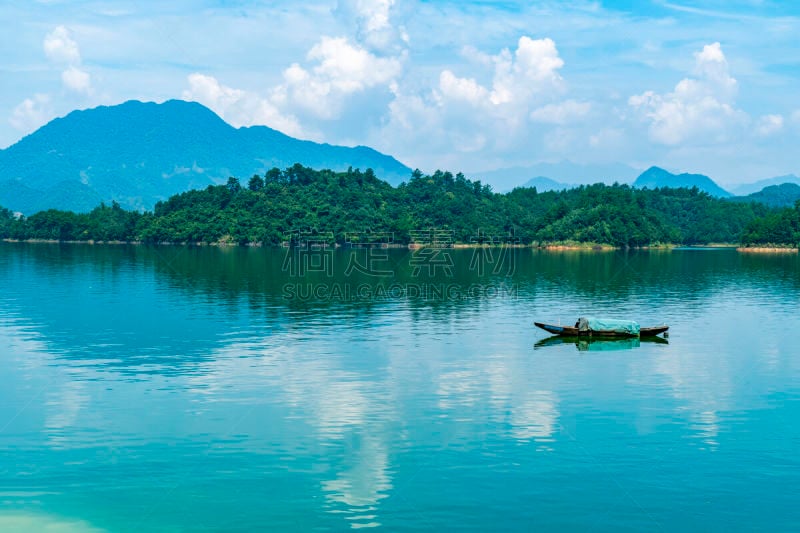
[[341, 396]]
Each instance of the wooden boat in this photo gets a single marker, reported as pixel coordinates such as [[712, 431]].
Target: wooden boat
[[572, 331]]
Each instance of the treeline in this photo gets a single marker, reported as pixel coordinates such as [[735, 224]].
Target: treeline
[[781, 227], [267, 208]]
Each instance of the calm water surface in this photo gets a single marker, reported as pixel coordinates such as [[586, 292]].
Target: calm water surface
[[192, 389]]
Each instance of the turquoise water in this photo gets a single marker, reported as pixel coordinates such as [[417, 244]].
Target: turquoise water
[[199, 389]]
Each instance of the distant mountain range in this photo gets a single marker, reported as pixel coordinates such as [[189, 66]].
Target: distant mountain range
[[560, 175], [139, 153], [776, 192], [653, 177], [750, 188]]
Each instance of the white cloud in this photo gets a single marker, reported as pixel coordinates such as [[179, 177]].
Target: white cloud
[[374, 26], [31, 113], [208, 91], [460, 115], [341, 69], [343, 85], [62, 50], [699, 109], [533, 68], [520, 79], [768, 125], [711, 65], [238, 107], [561, 113], [349, 68], [59, 47], [452, 87], [77, 80]]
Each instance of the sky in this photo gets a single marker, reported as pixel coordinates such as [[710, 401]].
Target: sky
[[710, 86]]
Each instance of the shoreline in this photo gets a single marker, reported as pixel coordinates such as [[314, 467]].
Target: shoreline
[[553, 247], [767, 250]]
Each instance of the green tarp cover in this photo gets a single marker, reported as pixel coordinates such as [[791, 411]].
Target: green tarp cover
[[610, 324]]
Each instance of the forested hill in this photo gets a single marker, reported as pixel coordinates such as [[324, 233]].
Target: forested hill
[[783, 195], [265, 209]]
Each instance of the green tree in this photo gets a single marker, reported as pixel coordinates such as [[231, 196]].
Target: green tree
[[256, 183], [233, 185]]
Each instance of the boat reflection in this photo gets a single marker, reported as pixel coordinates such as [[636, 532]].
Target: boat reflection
[[589, 344]]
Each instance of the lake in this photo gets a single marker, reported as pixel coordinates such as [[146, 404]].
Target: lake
[[244, 389]]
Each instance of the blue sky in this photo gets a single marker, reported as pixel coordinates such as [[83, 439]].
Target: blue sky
[[707, 87]]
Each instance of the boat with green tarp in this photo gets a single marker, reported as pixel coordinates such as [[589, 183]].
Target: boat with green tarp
[[603, 327]]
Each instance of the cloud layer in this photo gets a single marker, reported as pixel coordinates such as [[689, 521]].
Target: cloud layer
[[461, 85]]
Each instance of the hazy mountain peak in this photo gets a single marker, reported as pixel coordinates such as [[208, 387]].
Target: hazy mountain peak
[[655, 171], [655, 177], [544, 184]]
